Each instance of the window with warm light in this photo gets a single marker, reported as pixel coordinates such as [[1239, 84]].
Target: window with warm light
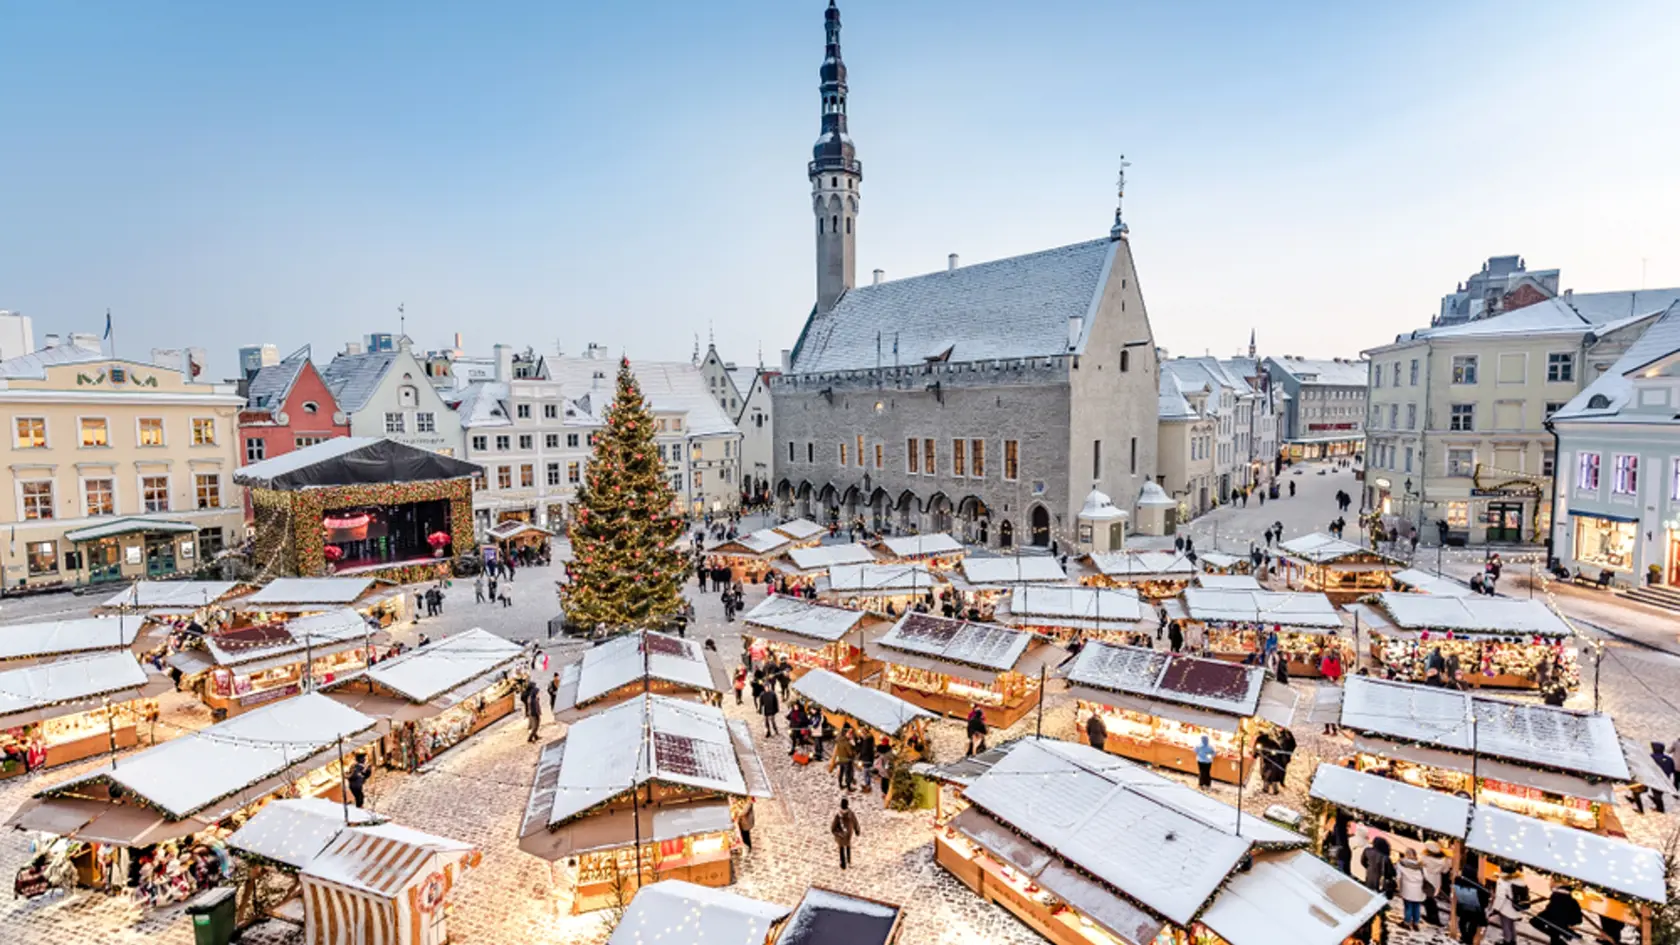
[[95, 432], [204, 431]]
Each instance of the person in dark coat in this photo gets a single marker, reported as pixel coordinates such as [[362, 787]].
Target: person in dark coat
[[1096, 732], [976, 730], [844, 827], [864, 747], [533, 709], [1378, 865], [771, 707], [356, 778], [1560, 917], [1175, 637]]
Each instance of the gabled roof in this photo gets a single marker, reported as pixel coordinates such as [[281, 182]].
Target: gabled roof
[[351, 461], [1614, 388], [669, 387], [803, 618], [1331, 372], [34, 365], [273, 383], [1610, 306], [1552, 316], [433, 671], [484, 404], [353, 378], [1173, 405], [1007, 308], [1154, 674], [675, 910], [72, 635]]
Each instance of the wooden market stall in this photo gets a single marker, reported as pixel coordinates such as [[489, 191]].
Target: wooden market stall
[[1621, 880], [949, 666], [826, 917], [1156, 706], [1156, 575], [667, 774], [235, 671], [801, 567], [981, 583], [803, 532], [1113, 615], [1414, 581], [285, 598], [1341, 569], [1497, 642], [1556, 764], [1229, 582], [1235, 623], [626, 667], [277, 843], [749, 557], [872, 711], [811, 635], [55, 713], [1141, 860], [880, 588], [383, 884], [677, 912], [431, 699], [938, 550], [170, 806], [515, 533], [169, 600], [1220, 562], [26, 644]]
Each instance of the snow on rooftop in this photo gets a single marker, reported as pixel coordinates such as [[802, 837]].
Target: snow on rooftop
[[626, 659], [922, 546], [801, 529], [879, 710], [429, 672], [1135, 565], [762, 542], [674, 910], [84, 677], [76, 635], [827, 556], [991, 646], [1016, 569], [326, 629], [295, 830], [804, 618], [880, 579], [1294, 609], [1426, 583], [825, 917], [1390, 799], [307, 456], [1606, 862], [1473, 614], [383, 859], [1320, 548], [1290, 898], [183, 594], [1229, 582], [1105, 604], [294, 591], [1224, 687]]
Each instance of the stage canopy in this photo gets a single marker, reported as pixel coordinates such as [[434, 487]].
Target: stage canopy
[[352, 461]]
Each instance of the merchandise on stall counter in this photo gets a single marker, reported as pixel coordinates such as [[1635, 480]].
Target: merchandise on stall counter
[[1484, 657]]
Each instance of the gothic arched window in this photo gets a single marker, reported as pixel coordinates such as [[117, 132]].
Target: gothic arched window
[[834, 224], [1125, 360], [848, 225]]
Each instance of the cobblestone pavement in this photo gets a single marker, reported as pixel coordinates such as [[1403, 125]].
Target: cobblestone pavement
[[477, 793]]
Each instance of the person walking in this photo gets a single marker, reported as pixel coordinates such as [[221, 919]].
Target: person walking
[[1204, 764], [1292, 488], [844, 827], [844, 762], [744, 823], [1096, 732], [1409, 875], [771, 707], [976, 730], [864, 747], [1470, 902], [1378, 865], [533, 710], [478, 589], [740, 683], [1175, 637], [553, 692], [1510, 900], [356, 778], [1560, 917]]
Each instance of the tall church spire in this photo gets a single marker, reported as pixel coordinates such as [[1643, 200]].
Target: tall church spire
[[1251, 348], [835, 174]]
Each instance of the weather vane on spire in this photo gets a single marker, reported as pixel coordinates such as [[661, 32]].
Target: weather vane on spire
[[1118, 231]]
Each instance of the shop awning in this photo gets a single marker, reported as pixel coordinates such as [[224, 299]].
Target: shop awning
[[31, 694], [190, 662], [1432, 811], [618, 828], [97, 821], [129, 526], [1290, 898], [753, 774], [1555, 782], [879, 710], [975, 674], [1188, 715], [1607, 516]]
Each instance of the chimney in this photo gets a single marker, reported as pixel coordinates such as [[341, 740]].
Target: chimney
[[1568, 293], [951, 263], [787, 360], [1076, 328], [52, 340], [878, 274], [457, 342], [352, 347], [504, 363]]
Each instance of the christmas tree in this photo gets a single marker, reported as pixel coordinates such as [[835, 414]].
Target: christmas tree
[[626, 572]]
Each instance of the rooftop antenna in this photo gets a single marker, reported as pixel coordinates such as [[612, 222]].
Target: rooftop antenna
[[402, 320], [1118, 231]]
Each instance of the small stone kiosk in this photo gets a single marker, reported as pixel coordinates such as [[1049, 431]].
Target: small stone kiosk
[[1554, 764], [625, 667], [812, 635], [1340, 569], [1157, 511], [1156, 706], [947, 666], [1102, 525], [1138, 859], [644, 791], [1496, 642]]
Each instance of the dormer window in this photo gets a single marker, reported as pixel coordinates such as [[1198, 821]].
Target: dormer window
[[1598, 402], [310, 406]]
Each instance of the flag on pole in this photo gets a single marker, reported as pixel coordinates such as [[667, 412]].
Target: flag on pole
[[107, 324]]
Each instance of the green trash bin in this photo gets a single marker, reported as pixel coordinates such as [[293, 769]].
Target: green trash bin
[[212, 914]]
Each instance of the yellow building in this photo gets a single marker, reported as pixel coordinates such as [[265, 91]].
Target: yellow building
[[116, 469]]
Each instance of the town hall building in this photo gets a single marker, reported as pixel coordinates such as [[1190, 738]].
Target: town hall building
[[987, 400]]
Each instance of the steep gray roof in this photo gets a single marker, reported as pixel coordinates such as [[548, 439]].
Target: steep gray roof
[[1008, 308], [1659, 341], [667, 385], [353, 378], [484, 404], [1173, 405], [35, 364], [269, 388], [1198, 371], [1608, 306]]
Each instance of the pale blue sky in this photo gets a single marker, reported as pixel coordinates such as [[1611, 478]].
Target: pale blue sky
[[219, 174]]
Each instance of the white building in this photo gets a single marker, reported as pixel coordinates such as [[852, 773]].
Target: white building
[[758, 440], [387, 393], [1324, 414]]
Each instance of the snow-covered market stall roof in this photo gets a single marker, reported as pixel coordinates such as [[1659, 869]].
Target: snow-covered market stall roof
[[1218, 560], [1229, 582], [352, 461], [675, 910], [823, 557], [1295, 610], [1422, 582], [309, 593], [1433, 726], [764, 543], [169, 598], [935, 545], [647, 739], [1319, 548], [880, 579], [1609, 863], [294, 830], [826, 917], [879, 710], [1079, 607], [1143, 565], [804, 623], [435, 677], [31, 694], [1413, 614], [1134, 851], [1012, 571], [801, 529], [251, 649], [974, 651], [1204, 692], [633, 657], [184, 785], [78, 635]]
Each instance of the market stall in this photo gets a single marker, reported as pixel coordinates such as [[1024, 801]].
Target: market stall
[[518, 534], [1413, 581], [1219, 562], [167, 600], [1341, 569], [811, 635], [25, 644], [1229, 582], [1498, 642], [801, 567], [937, 551], [868, 710], [55, 713], [1235, 624], [285, 598], [949, 666], [626, 667], [1156, 575], [880, 588], [1622, 880], [982, 582], [277, 842], [749, 557], [1556, 764], [1140, 860], [644, 791], [383, 884], [803, 532], [432, 699], [673, 910], [826, 917], [1156, 707], [1114, 615], [236, 671], [170, 806]]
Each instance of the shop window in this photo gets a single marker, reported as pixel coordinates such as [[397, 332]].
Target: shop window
[[1603, 542], [1586, 472], [1627, 475], [43, 558], [1458, 515]]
